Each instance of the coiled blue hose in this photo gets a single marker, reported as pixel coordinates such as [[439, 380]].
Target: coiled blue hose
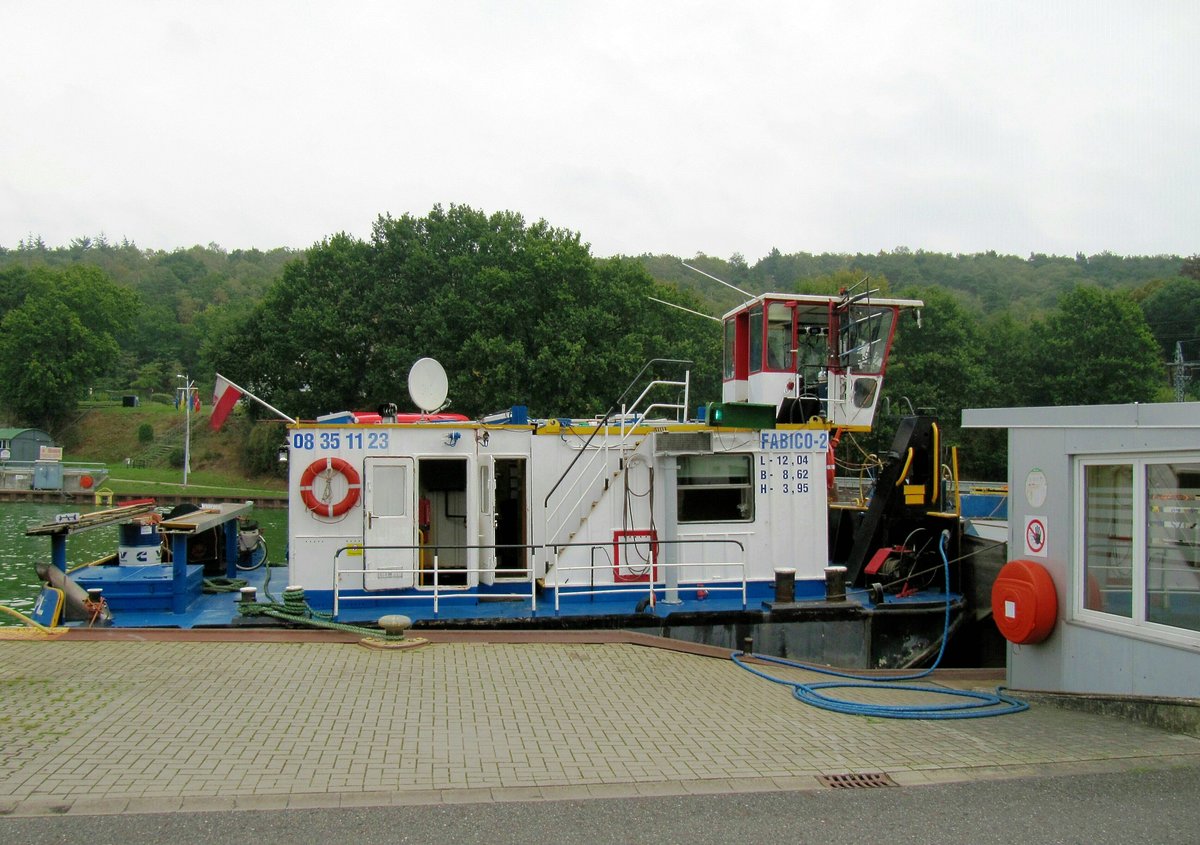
[[976, 705]]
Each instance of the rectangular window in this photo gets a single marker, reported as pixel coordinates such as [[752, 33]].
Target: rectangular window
[[730, 334], [715, 488], [1108, 539], [1173, 545], [390, 488], [1141, 545], [779, 337], [756, 339]]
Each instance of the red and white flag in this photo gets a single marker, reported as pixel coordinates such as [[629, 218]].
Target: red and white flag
[[225, 396]]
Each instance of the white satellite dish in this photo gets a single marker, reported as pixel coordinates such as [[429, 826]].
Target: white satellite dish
[[427, 385]]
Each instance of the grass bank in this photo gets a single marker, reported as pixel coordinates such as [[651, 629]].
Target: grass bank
[[115, 436]]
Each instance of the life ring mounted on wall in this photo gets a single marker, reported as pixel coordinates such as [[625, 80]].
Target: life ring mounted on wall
[[325, 468]]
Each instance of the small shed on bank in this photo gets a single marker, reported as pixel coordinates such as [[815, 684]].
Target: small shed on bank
[[23, 444], [1106, 500]]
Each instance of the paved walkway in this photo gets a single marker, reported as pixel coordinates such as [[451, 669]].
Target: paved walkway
[[129, 725]]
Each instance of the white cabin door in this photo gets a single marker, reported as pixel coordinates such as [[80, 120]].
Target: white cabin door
[[852, 399], [487, 520], [389, 524]]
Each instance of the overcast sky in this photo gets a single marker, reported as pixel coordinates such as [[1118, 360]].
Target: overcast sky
[[676, 127]]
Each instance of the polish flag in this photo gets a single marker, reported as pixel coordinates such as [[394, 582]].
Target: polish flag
[[225, 396]]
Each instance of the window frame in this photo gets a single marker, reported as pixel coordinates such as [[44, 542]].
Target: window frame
[[1138, 623], [682, 486]]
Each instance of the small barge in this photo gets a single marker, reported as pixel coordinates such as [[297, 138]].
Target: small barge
[[719, 526]]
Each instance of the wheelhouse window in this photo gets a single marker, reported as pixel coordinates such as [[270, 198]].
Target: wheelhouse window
[[730, 336], [1141, 545], [756, 339], [779, 337], [865, 337], [715, 488]]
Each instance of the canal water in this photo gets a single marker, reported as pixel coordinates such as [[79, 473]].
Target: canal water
[[19, 585]]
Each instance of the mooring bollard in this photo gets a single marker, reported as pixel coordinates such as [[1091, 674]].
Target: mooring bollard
[[785, 585], [835, 583]]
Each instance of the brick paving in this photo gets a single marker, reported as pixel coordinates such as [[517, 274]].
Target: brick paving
[[142, 725]]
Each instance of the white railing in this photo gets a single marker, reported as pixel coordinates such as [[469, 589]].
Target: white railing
[[438, 591], [662, 580], [659, 585]]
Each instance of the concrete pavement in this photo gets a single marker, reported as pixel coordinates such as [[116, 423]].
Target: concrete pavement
[[136, 722]]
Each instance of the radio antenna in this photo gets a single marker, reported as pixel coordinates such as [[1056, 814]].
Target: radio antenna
[[715, 279], [681, 308]]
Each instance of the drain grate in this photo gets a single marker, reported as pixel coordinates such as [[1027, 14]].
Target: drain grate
[[861, 780]]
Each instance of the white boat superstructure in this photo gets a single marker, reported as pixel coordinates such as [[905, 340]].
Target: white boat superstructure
[[647, 506]]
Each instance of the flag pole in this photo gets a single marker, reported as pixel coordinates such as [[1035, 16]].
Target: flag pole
[[247, 393], [188, 387]]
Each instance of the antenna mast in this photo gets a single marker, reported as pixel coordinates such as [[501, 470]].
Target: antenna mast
[[715, 279], [681, 308]]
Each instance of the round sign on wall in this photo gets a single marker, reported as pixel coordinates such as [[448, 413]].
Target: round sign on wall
[[1035, 488]]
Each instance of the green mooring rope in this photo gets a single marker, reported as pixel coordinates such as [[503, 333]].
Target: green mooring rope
[[223, 585], [295, 609]]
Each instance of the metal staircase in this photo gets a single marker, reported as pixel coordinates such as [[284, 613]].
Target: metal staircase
[[620, 433]]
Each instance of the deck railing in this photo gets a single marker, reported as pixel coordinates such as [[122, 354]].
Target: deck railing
[[661, 583]]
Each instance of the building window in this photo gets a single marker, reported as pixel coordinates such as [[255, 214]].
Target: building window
[[1173, 545], [1108, 539], [1141, 545], [715, 488]]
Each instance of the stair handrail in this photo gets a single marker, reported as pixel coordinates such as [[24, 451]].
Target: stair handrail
[[598, 464], [608, 415]]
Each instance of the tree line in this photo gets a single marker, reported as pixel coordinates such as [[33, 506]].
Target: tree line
[[523, 313]]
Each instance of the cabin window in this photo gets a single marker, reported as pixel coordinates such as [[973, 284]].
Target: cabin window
[[756, 339], [865, 336], [715, 488], [779, 337], [730, 334], [1141, 546], [390, 490]]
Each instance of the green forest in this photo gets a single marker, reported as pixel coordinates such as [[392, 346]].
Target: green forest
[[523, 313]]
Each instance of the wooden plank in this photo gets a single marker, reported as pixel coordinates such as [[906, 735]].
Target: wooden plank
[[87, 521]]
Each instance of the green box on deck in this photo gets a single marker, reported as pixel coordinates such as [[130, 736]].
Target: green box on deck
[[739, 415]]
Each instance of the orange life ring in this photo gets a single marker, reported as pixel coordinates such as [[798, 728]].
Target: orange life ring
[[85, 482], [330, 509]]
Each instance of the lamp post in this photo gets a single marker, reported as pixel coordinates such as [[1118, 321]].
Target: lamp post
[[188, 387]]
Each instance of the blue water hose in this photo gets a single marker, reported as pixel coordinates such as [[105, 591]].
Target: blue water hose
[[976, 704]]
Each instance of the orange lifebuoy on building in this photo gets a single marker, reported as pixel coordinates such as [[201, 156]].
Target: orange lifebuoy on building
[[85, 481], [321, 467], [1024, 602]]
